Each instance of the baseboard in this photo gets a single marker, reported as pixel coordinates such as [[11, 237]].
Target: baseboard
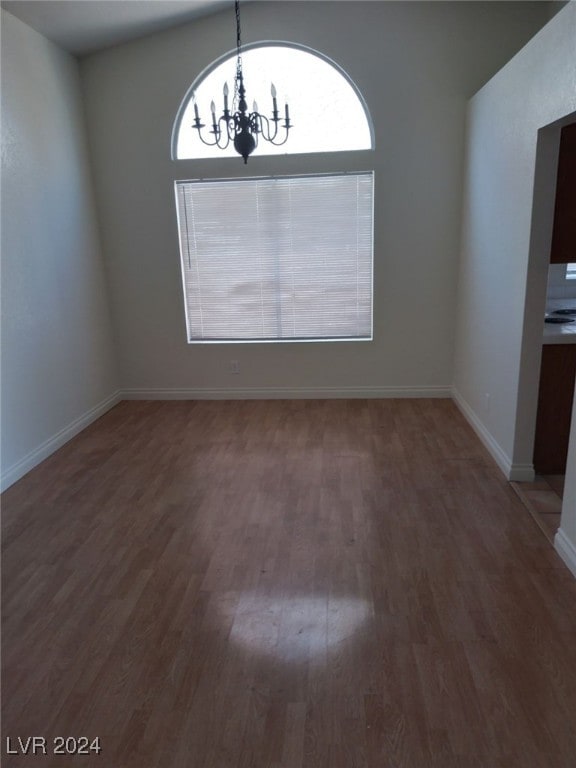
[[281, 393], [566, 550], [521, 473], [18, 470]]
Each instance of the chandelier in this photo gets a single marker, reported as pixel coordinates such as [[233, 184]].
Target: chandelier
[[243, 128]]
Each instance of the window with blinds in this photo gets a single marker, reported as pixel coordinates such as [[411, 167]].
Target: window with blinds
[[571, 271], [277, 259]]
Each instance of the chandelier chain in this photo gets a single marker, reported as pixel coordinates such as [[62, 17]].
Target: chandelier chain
[[238, 40], [238, 51]]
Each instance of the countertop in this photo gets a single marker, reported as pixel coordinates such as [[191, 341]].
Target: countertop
[[560, 334]]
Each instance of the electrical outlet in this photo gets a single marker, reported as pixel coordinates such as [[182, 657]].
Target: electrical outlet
[[234, 366]]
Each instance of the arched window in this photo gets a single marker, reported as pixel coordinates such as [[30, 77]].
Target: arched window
[[326, 108]]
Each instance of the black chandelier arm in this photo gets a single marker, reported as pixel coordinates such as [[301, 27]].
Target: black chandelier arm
[[219, 132], [270, 135]]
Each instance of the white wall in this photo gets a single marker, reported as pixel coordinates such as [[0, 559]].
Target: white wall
[[505, 250], [58, 369], [416, 65]]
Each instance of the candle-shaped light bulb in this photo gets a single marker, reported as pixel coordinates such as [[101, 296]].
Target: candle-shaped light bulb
[[286, 113], [226, 96], [254, 106], [273, 92], [196, 115]]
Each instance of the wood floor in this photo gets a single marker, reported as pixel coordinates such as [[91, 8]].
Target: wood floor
[[331, 584]]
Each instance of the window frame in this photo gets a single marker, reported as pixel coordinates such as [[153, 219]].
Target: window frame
[[270, 166], [278, 339]]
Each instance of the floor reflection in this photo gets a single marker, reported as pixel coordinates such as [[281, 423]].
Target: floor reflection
[[294, 627]]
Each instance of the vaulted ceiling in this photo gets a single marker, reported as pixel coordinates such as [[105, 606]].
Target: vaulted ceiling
[[85, 26]]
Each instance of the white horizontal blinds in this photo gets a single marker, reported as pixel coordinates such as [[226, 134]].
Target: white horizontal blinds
[[571, 271], [284, 258]]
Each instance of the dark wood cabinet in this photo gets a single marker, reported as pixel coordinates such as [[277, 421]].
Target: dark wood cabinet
[[563, 248], [555, 396]]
